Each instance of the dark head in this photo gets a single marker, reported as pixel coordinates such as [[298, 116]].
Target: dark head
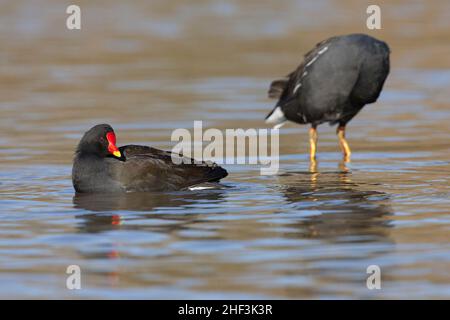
[[100, 140]]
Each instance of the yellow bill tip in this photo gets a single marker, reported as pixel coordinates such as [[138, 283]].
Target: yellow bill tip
[[117, 154]]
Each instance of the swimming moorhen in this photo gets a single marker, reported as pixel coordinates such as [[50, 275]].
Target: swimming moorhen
[[335, 80], [99, 166]]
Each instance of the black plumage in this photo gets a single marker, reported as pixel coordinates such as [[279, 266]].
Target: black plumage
[[335, 80], [99, 166]]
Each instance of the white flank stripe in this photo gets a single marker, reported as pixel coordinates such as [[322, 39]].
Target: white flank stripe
[[323, 50], [309, 63], [199, 188]]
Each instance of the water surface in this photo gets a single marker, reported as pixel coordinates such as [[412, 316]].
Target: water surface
[[150, 68]]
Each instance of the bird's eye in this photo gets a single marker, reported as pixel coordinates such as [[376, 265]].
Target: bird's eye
[[102, 139]]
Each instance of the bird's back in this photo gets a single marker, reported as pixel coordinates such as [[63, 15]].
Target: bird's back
[[336, 79], [373, 71], [150, 169]]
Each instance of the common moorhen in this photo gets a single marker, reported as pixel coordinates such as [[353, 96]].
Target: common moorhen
[[332, 84], [99, 166]]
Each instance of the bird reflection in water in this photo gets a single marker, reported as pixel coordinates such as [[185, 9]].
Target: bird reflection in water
[[347, 211], [106, 206], [133, 201], [105, 217]]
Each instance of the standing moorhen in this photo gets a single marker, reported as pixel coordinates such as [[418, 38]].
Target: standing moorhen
[[335, 80], [99, 166]]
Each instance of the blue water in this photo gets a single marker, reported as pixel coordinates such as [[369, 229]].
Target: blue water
[[148, 69]]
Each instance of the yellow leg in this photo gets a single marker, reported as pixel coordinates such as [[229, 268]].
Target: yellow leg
[[313, 143], [313, 166], [343, 143]]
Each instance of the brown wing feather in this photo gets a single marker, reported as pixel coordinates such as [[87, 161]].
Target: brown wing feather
[[148, 168]]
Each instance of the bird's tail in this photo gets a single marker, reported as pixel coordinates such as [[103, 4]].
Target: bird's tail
[[276, 117]]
